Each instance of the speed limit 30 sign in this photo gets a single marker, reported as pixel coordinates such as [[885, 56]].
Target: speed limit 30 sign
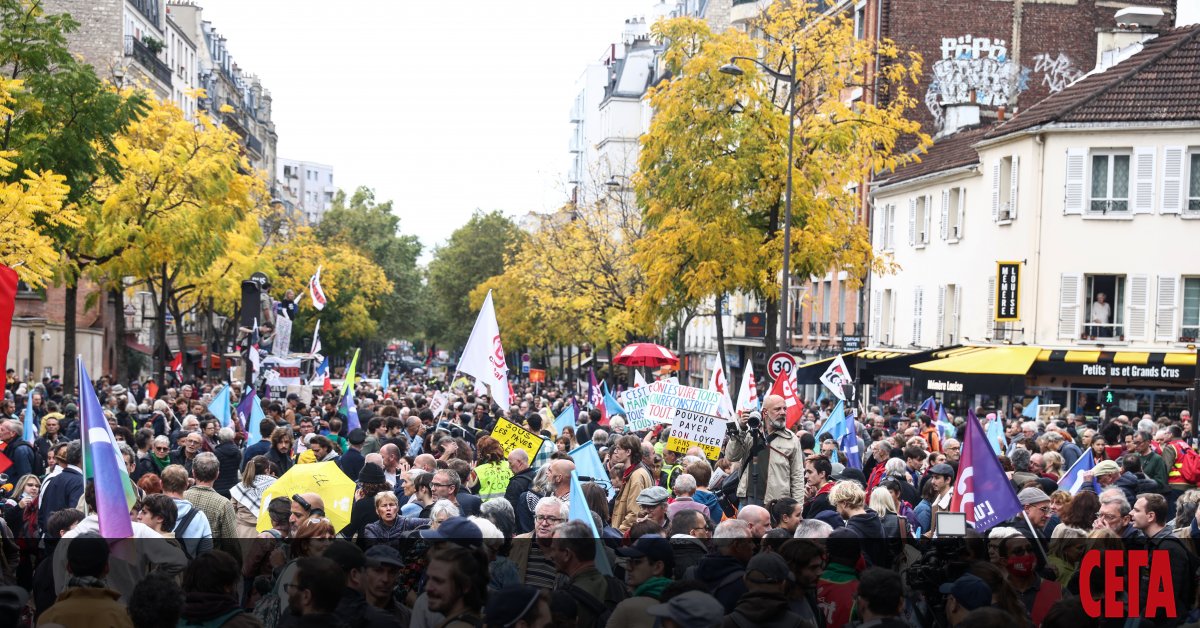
[[782, 363]]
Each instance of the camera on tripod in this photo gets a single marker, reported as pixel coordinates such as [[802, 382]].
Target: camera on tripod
[[754, 420]]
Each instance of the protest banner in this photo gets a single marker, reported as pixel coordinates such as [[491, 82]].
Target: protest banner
[[537, 376], [635, 401], [283, 336], [693, 429], [512, 436], [438, 403], [670, 397], [282, 372]]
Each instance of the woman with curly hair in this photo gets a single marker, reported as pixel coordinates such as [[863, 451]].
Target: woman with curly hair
[[492, 469], [1081, 511]]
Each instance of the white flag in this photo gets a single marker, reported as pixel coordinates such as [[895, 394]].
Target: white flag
[[747, 400], [638, 380], [315, 291], [836, 376], [483, 357], [720, 385], [316, 345]]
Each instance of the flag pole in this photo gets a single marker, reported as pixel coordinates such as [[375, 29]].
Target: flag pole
[[1032, 530]]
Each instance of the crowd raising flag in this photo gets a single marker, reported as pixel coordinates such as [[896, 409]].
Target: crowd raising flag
[[639, 380], [8, 304], [578, 509], [483, 357], [1031, 411], [315, 291], [611, 406], [590, 468], [220, 406], [982, 489], [321, 376], [384, 377], [995, 436], [103, 463], [841, 428], [720, 385], [747, 400]]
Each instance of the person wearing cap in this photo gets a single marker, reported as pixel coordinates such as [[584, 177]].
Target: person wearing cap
[[383, 565], [653, 504], [1109, 474], [941, 476], [518, 606], [352, 460], [765, 603], [650, 564], [1035, 504], [964, 595], [692, 609], [817, 482]]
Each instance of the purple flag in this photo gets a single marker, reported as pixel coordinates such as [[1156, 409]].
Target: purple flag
[[982, 489], [103, 463], [595, 395]]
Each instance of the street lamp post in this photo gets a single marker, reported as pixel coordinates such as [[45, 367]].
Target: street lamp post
[[731, 68]]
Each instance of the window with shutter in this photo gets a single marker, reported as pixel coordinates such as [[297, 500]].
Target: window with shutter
[[956, 317], [1068, 305], [889, 221], [989, 321], [1192, 203], [918, 312], [939, 339], [1139, 302], [961, 224], [1172, 185], [1111, 174], [1143, 179], [927, 229], [996, 192], [1190, 312], [945, 224], [1013, 179], [876, 308], [912, 222], [876, 228], [1164, 315], [1074, 186]]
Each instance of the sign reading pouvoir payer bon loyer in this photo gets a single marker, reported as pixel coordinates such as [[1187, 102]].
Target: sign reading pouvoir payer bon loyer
[[692, 429], [671, 397]]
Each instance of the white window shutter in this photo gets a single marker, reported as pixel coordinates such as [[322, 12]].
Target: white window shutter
[[1012, 189], [1068, 305], [918, 307], [1139, 303], [876, 308], [962, 215], [945, 214], [941, 316], [1164, 316], [989, 321], [955, 336], [891, 236], [927, 234], [996, 191], [912, 222], [1172, 189], [876, 230], [1143, 180], [1073, 199]]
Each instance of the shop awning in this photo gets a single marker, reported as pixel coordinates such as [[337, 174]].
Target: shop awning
[[992, 370], [810, 373], [1138, 365], [139, 347], [895, 363]]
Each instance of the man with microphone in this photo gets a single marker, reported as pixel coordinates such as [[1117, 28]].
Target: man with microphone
[[772, 464]]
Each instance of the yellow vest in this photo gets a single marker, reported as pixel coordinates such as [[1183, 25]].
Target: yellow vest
[[493, 479]]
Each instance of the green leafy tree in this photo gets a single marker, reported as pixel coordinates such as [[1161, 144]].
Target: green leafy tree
[[372, 228], [474, 253]]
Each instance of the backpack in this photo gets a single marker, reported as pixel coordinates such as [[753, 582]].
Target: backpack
[[38, 466], [182, 526], [614, 594], [1189, 462]]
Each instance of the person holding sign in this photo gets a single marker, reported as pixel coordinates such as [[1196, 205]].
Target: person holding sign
[[772, 463]]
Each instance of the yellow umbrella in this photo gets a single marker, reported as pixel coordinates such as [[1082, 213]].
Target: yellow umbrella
[[324, 479]]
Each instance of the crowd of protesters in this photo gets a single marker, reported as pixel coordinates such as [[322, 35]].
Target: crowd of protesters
[[449, 529]]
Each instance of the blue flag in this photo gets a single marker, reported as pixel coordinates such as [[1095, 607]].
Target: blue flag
[[835, 426], [849, 444], [611, 406], [220, 407], [929, 407], [995, 435], [350, 410], [384, 377], [945, 427], [982, 489], [588, 465], [579, 510], [1031, 411], [566, 420], [251, 415], [103, 463], [1072, 481], [31, 432]]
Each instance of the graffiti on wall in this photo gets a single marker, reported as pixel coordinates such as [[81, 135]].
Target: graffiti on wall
[[978, 69]]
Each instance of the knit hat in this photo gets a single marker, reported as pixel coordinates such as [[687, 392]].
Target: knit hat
[[768, 567], [371, 474]]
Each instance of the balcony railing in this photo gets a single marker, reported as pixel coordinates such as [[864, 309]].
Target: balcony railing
[[147, 59], [148, 8], [254, 144], [823, 329]]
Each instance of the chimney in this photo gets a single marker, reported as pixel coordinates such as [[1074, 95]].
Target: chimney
[[1134, 26], [959, 116]]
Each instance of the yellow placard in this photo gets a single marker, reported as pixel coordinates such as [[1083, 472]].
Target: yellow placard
[[512, 436]]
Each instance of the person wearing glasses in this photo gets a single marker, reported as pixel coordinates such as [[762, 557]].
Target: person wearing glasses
[[1035, 504], [531, 554], [314, 590], [1021, 560]]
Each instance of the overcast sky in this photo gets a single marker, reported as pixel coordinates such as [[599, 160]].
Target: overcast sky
[[443, 107]]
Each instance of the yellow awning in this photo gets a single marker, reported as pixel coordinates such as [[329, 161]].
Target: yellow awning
[[999, 360]]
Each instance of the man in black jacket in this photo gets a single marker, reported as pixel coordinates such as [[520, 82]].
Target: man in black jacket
[[518, 485], [352, 460], [229, 460], [65, 489]]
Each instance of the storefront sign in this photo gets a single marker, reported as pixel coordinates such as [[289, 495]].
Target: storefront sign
[[756, 324], [940, 385], [1132, 371], [1008, 291]]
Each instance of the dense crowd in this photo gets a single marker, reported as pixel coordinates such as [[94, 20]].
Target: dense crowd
[[448, 528]]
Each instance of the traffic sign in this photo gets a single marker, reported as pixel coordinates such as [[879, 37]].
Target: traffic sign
[[525, 360], [782, 363]]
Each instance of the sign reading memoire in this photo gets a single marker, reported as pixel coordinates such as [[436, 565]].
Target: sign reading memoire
[[1008, 292]]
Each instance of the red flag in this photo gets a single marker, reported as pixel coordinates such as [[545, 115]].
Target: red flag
[[5, 463], [152, 390], [177, 365], [327, 385], [784, 388], [8, 302]]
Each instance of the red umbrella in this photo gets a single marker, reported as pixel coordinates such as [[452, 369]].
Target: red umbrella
[[646, 354]]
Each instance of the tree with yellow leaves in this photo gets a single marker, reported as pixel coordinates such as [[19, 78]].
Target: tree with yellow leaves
[[713, 166], [27, 207]]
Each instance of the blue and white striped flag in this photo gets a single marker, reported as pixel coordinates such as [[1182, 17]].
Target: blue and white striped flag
[[1072, 481]]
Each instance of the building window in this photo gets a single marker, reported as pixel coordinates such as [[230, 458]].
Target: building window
[[1110, 183], [1104, 307], [922, 213], [1193, 199], [860, 20], [1191, 310], [955, 213], [1004, 189], [889, 316], [889, 227]]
